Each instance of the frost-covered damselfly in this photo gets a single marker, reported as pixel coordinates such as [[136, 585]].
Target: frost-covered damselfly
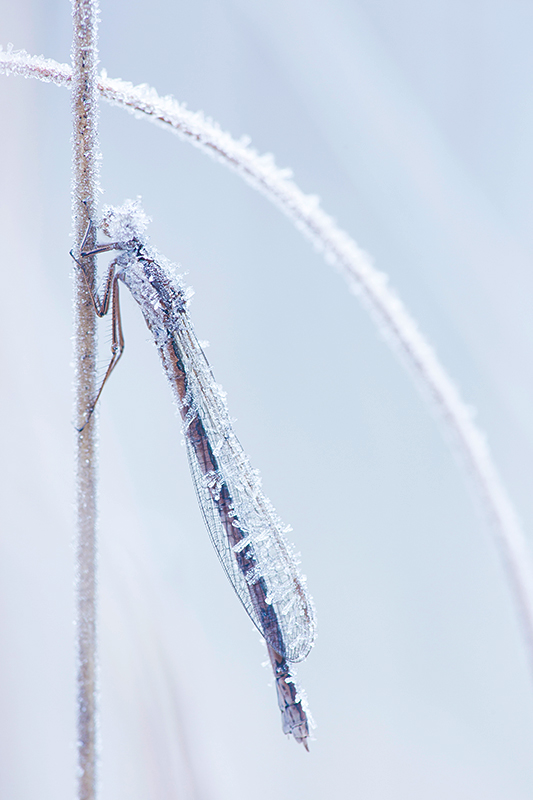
[[246, 532]]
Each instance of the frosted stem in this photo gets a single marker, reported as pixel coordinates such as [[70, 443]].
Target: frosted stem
[[85, 158], [387, 310]]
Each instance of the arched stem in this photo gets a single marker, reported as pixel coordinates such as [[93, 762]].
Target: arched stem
[[392, 318]]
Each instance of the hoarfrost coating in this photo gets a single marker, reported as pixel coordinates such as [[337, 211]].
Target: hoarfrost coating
[[245, 530]]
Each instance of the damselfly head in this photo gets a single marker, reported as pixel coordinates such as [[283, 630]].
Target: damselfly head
[[126, 222]]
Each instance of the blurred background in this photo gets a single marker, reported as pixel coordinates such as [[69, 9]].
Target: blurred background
[[413, 122]]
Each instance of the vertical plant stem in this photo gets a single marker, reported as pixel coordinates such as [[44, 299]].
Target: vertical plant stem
[[85, 161]]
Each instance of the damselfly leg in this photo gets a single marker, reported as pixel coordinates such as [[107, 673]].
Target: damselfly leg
[[101, 305]]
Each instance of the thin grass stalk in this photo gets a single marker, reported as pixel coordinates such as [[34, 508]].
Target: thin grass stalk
[[393, 319], [85, 160]]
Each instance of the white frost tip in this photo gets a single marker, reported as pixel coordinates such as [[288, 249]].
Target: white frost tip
[[125, 222]]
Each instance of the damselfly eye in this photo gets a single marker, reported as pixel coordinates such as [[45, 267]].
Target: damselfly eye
[[104, 225]]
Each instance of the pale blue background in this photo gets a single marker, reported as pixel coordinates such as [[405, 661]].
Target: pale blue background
[[413, 121]]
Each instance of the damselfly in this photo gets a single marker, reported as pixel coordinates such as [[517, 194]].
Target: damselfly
[[246, 532]]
